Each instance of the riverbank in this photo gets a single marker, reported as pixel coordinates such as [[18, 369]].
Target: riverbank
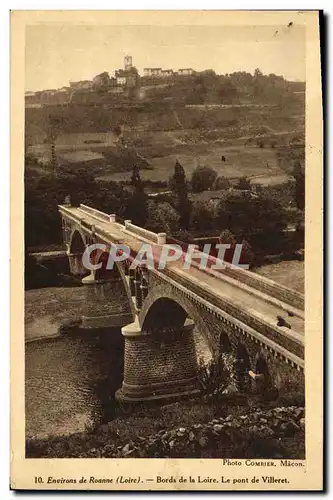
[[47, 310], [192, 429]]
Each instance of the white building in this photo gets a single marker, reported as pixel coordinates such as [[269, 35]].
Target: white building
[[167, 72], [121, 80], [185, 71], [152, 72]]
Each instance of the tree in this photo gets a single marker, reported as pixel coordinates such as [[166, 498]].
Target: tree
[[117, 130], [226, 237], [227, 92], [299, 176], [136, 179], [162, 217], [247, 254], [221, 183], [136, 209], [203, 178], [198, 93], [201, 217], [53, 129], [243, 183], [260, 220], [44, 190], [178, 185]]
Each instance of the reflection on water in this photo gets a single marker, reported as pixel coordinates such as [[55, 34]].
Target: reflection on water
[[71, 381]]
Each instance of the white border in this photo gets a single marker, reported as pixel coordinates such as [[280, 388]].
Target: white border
[[4, 184]]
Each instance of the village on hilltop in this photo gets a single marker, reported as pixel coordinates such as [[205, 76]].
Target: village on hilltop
[[126, 81]]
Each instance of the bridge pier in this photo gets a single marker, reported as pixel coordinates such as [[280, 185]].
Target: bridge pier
[[106, 303], [76, 266], [158, 365]]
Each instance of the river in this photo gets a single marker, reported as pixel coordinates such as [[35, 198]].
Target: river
[[70, 382], [70, 377]]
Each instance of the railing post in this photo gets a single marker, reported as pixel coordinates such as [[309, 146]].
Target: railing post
[[112, 217], [131, 282], [161, 238], [138, 294], [144, 290]]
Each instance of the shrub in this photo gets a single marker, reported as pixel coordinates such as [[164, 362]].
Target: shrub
[[221, 183], [201, 216], [203, 178], [162, 217], [243, 183], [213, 376]]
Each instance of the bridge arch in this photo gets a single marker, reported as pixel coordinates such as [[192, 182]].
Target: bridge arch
[[77, 242], [166, 307], [242, 366], [264, 382], [225, 344]]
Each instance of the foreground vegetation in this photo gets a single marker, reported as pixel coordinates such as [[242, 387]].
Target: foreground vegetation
[[188, 429]]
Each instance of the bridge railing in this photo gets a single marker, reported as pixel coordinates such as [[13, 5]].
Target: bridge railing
[[158, 238], [129, 227], [292, 341], [95, 213], [267, 286], [260, 283]]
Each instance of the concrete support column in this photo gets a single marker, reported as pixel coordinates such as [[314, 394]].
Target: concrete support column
[[106, 304], [76, 266], [158, 365]]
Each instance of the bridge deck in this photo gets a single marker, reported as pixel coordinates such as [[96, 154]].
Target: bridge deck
[[253, 302]]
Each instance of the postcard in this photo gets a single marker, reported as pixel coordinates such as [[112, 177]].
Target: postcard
[[166, 251]]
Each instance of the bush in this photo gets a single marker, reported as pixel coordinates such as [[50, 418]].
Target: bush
[[243, 183], [201, 217], [221, 183], [247, 255], [182, 236], [162, 217], [213, 375], [203, 178], [227, 237], [260, 220]]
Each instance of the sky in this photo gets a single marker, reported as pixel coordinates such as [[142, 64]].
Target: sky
[[57, 54]]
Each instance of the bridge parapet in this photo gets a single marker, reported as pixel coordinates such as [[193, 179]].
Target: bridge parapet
[[267, 286], [261, 283], [95, 213], [158, 238]]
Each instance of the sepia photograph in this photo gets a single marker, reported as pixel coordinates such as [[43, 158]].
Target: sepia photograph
[[164, 217]]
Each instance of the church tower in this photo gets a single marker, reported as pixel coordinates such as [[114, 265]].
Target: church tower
[[128, 63]]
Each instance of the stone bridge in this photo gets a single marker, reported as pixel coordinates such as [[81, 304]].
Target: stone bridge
[[235, 310]]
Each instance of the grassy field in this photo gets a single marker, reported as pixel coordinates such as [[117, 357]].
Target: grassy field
[[259, 164], [161, 136], [288, 273]]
